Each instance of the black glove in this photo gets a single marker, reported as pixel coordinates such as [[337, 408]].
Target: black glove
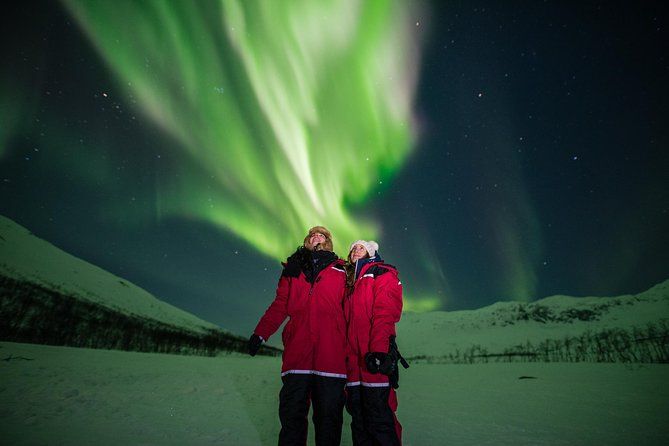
[[254, 344], [375, 361], [388, 366]]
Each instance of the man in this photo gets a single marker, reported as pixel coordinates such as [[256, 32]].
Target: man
[[310, 293]]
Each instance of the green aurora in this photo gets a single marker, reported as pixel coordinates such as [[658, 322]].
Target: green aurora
[[288, 114]]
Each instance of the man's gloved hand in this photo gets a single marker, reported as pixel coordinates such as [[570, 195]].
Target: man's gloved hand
[[254, 344], [375, 361]]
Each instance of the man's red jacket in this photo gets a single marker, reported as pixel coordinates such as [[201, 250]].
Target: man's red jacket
[[314, 338]]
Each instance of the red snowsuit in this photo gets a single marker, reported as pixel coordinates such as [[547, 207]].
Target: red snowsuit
[[314, 339], [372, 310]]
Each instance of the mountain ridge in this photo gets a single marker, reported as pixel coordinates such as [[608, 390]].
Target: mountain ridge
[[621, 322], [50, 296], [27, 257]]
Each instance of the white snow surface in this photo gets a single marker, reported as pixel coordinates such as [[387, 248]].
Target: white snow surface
[[26, 257], [71, 396]]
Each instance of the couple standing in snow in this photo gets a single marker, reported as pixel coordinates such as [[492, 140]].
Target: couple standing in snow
[[339, 342]]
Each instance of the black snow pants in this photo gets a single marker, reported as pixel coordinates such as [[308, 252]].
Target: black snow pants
[[373, 421], [328, 398]]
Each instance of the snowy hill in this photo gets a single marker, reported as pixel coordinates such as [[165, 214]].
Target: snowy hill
[[506, 327], [44, 289], [26, 257]]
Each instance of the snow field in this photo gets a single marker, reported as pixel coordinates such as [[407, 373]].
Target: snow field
[[70, 396]]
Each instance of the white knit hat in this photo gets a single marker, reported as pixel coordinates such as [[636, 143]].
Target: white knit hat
[[371, 246]]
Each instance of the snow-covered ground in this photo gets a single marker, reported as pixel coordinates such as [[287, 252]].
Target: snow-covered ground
[[70, 396]]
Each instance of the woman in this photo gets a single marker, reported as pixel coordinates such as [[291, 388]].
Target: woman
[[373, 306]]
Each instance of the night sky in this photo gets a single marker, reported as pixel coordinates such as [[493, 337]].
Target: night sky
[[495, 150]]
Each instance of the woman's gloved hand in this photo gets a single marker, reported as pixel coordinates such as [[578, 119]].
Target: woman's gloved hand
[[379, 362]]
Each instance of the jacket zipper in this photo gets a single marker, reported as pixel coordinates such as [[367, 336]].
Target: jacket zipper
[[311, 288]]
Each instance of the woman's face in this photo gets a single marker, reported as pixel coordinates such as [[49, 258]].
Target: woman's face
[[358, 252]]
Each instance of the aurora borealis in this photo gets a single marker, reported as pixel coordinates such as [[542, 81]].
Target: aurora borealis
[[259, 96], [495, 151]]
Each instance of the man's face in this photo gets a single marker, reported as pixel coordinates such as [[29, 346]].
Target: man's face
[[316, 239], [358, 252]]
